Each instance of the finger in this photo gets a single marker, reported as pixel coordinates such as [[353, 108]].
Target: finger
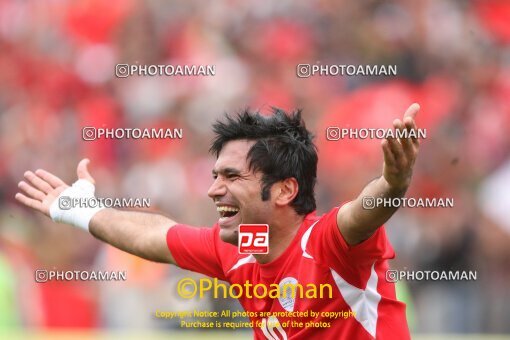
[[389, 160], [37, 182], [407, 146], [50, 178], [398, 125], [397, 151], [31, 192], [406, 139], [406, 143], [83, 172], [29, 202], [412, 110], [410, 126]]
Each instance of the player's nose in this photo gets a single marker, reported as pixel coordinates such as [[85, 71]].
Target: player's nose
[[217, 189]]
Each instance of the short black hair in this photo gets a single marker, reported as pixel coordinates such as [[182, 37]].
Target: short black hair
[[283, 149]]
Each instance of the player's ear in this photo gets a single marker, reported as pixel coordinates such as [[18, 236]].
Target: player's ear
[[285, 191]]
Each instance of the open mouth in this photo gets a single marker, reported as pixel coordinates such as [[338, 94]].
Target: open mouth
[[227, 211]]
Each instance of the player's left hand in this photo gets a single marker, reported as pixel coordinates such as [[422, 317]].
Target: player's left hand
[[400, 154]]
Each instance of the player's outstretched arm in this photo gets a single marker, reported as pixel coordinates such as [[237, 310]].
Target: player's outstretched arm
[[357, 223], [138, 233]]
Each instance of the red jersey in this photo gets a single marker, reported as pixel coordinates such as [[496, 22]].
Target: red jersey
[[317, 255]]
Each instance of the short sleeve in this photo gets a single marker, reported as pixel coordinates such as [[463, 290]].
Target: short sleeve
[[328, 247], [194, 249]]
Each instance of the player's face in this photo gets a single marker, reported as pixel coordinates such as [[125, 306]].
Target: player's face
[[236, 191]]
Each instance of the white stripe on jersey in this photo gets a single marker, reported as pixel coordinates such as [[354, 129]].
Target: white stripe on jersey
[[244, 260], [362, 302]]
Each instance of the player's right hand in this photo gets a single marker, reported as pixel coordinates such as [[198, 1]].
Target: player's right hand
[[41, 188]]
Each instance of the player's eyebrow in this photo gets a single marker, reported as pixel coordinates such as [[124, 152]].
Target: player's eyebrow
[[226, 171]]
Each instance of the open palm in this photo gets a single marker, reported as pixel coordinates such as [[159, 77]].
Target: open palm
[[42, 187]]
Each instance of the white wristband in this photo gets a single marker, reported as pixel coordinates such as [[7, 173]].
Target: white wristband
[[71, 206]]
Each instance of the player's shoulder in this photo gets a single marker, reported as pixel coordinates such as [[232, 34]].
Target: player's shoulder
[[313, 218], [310, 222]]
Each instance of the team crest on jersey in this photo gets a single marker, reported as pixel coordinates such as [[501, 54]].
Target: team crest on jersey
[[288, 293]]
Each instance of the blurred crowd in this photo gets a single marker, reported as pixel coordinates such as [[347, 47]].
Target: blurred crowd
[[57, 75]]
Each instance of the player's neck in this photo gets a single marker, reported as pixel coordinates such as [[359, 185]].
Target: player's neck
[[282, 231]]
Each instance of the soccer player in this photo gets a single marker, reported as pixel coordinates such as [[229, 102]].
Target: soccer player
[[265, 173]]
